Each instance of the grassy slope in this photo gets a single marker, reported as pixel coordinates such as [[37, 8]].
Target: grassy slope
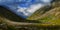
[[51, 17]]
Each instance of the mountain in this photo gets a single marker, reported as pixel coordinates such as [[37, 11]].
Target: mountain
[[45, 18]]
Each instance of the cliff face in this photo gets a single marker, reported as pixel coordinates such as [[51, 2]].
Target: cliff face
[[45, 17]]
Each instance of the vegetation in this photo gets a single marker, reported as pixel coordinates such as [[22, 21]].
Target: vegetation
[[47, 18]]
